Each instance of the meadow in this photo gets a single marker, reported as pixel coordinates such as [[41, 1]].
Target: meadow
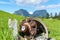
[[53, 26], [5, 32]]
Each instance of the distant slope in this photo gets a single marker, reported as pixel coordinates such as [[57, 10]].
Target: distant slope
[[8, 15], [22, 12], [5, 33], [37, 13], [41, 13]]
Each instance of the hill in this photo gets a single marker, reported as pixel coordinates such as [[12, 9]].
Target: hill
[[53, 26], [5, 32], [22, 12], [41, 13]]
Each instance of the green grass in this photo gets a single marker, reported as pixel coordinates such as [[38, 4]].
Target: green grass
[[6, 33], [53, 26]]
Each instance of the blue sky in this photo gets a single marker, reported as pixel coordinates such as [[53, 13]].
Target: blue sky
[[30, 5]]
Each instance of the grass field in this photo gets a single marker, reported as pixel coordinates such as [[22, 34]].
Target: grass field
[[53, 26], [5, 33]]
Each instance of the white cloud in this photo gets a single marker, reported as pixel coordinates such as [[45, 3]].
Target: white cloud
[[2, 2], [24, 2], [32, 2], [30, 12], [54, 5], [48, 6], [10, 2]]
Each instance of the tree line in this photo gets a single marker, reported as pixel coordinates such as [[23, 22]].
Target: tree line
[[56, 15]]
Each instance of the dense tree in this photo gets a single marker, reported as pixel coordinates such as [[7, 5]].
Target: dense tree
[[51, 15], [47, 15], [55, 15], [59, 16]]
